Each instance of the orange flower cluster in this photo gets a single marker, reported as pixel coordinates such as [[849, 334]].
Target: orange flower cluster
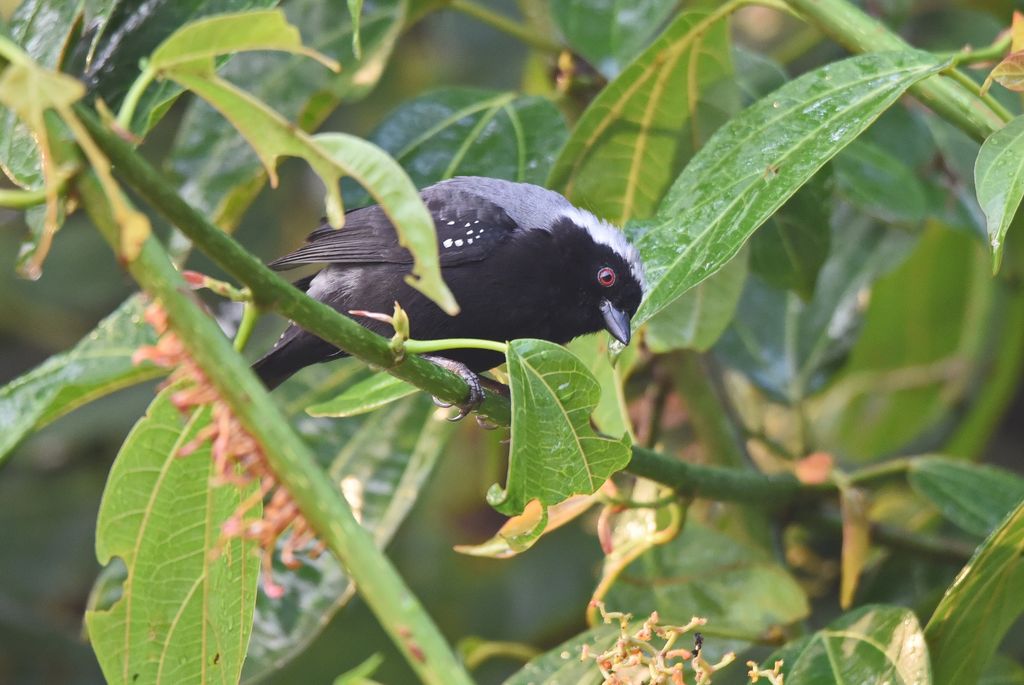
[[238, 458]]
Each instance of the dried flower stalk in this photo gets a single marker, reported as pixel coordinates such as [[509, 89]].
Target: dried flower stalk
[[634, 659], [237, 457]]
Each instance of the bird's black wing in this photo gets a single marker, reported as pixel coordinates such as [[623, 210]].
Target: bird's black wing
[[468, 229]]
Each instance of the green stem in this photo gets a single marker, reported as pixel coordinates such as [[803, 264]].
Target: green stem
[[271, 292], [858, 32], [399, 611], [723, 484], [505, 25], [131, 99], [894, 468], [736, 484], [975, 87], [428, 346], [250, 314], [21, 199], [991, 52], [486, 651]]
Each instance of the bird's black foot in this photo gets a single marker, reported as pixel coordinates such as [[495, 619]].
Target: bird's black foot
[[473, 380]]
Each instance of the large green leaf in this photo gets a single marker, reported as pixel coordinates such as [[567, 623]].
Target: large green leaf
[[791, 347], [610, 33], [473, 132], [97, 366], [738, 587], [365, 396], [980, 606], [223, 34], [221, 174], [753, 164], [638, 132], [999, 178], [186, 605], [128, 34], [873, 644], [698, 318], [554, 452], [381, 461], [977, 498]]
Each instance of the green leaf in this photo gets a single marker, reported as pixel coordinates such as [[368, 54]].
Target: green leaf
[[125, 38], [332, 155], [186, 605], [355, 12], [473, 132], [873, 644], [738, 587], [365, 396], [922, 339], [196, 44], [880, 184], [97, 366], [554, 453], [791, 348], [696, 320], [999, 178], [975, 497], [732, 186], [46, 30], [980, 606], [563, 666], [638, 132], [381, 461], [608, 33], [221, 174], [610, 415]]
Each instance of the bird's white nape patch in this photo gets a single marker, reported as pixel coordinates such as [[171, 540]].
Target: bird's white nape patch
[[606, 234]]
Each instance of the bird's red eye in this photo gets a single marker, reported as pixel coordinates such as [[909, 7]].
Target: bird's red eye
[[606, 277]]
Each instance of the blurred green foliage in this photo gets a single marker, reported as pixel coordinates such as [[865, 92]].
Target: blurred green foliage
[[863, 322]]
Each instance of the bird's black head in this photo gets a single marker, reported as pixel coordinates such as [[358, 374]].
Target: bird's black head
[[603, 270]]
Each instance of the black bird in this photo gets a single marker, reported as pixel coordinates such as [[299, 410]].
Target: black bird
[[521, 261]]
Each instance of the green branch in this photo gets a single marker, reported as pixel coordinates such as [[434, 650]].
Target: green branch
[[858, 32], [399, 611], [271, 292], [13, 198], [505, 25], [723, 484]]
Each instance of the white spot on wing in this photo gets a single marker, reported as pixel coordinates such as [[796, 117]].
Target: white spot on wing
[[447, 243], [468, 224], [451, 223], [470, 241], [458, 243]]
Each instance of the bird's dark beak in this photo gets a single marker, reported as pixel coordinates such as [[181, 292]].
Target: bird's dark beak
[[616, 322]]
